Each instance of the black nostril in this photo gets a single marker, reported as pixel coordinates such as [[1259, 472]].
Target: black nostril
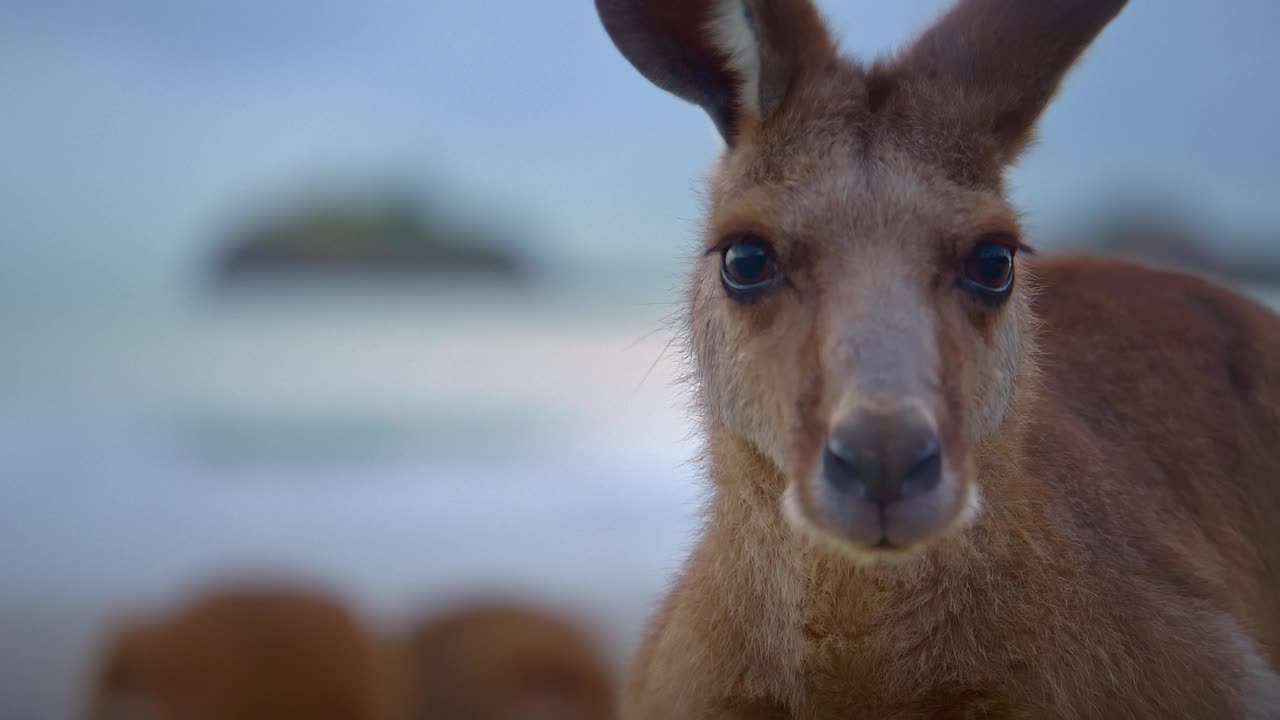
[[925, 471], [883, 461], [840, 466]]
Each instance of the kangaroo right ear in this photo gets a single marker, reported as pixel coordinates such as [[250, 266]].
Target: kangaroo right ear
[[735, 58]]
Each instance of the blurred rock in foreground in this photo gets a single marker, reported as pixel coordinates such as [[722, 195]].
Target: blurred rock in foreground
[[248, 653], [255, 651], [491, 661]]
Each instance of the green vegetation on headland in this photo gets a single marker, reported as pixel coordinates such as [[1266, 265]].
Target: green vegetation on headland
[[393, 237]]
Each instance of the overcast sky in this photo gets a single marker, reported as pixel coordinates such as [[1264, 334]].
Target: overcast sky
[[131, 131]]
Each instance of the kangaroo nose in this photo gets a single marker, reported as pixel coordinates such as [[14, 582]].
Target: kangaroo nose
[[884, 458]]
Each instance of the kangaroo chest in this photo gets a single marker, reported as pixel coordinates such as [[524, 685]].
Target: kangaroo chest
[[899, 648]]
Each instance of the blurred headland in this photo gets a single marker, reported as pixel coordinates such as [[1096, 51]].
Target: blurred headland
[[1173, 233], [366, 234]]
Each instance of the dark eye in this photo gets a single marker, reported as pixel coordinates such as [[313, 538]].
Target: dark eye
[[748, 266], [989, 268]]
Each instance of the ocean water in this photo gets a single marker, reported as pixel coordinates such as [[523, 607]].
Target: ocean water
[[400, 448]]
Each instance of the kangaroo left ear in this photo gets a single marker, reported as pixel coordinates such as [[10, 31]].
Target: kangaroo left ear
[[737, 59], [994, 65]]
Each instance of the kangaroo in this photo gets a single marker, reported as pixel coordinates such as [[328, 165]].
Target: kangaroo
[[949, 480]]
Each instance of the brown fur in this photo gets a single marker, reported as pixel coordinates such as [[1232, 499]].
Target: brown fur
[[502, 662], [1120, 425], [245, 654]]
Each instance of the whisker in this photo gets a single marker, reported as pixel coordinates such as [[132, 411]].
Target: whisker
[[655, 362], [646, 336]]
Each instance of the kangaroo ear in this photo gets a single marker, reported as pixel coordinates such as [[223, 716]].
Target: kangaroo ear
[[999, 62], [735, 58]]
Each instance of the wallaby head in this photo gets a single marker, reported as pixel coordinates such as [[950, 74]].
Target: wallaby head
[[859, 310]]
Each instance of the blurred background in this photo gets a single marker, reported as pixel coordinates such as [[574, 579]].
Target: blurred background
[[377, 295]]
